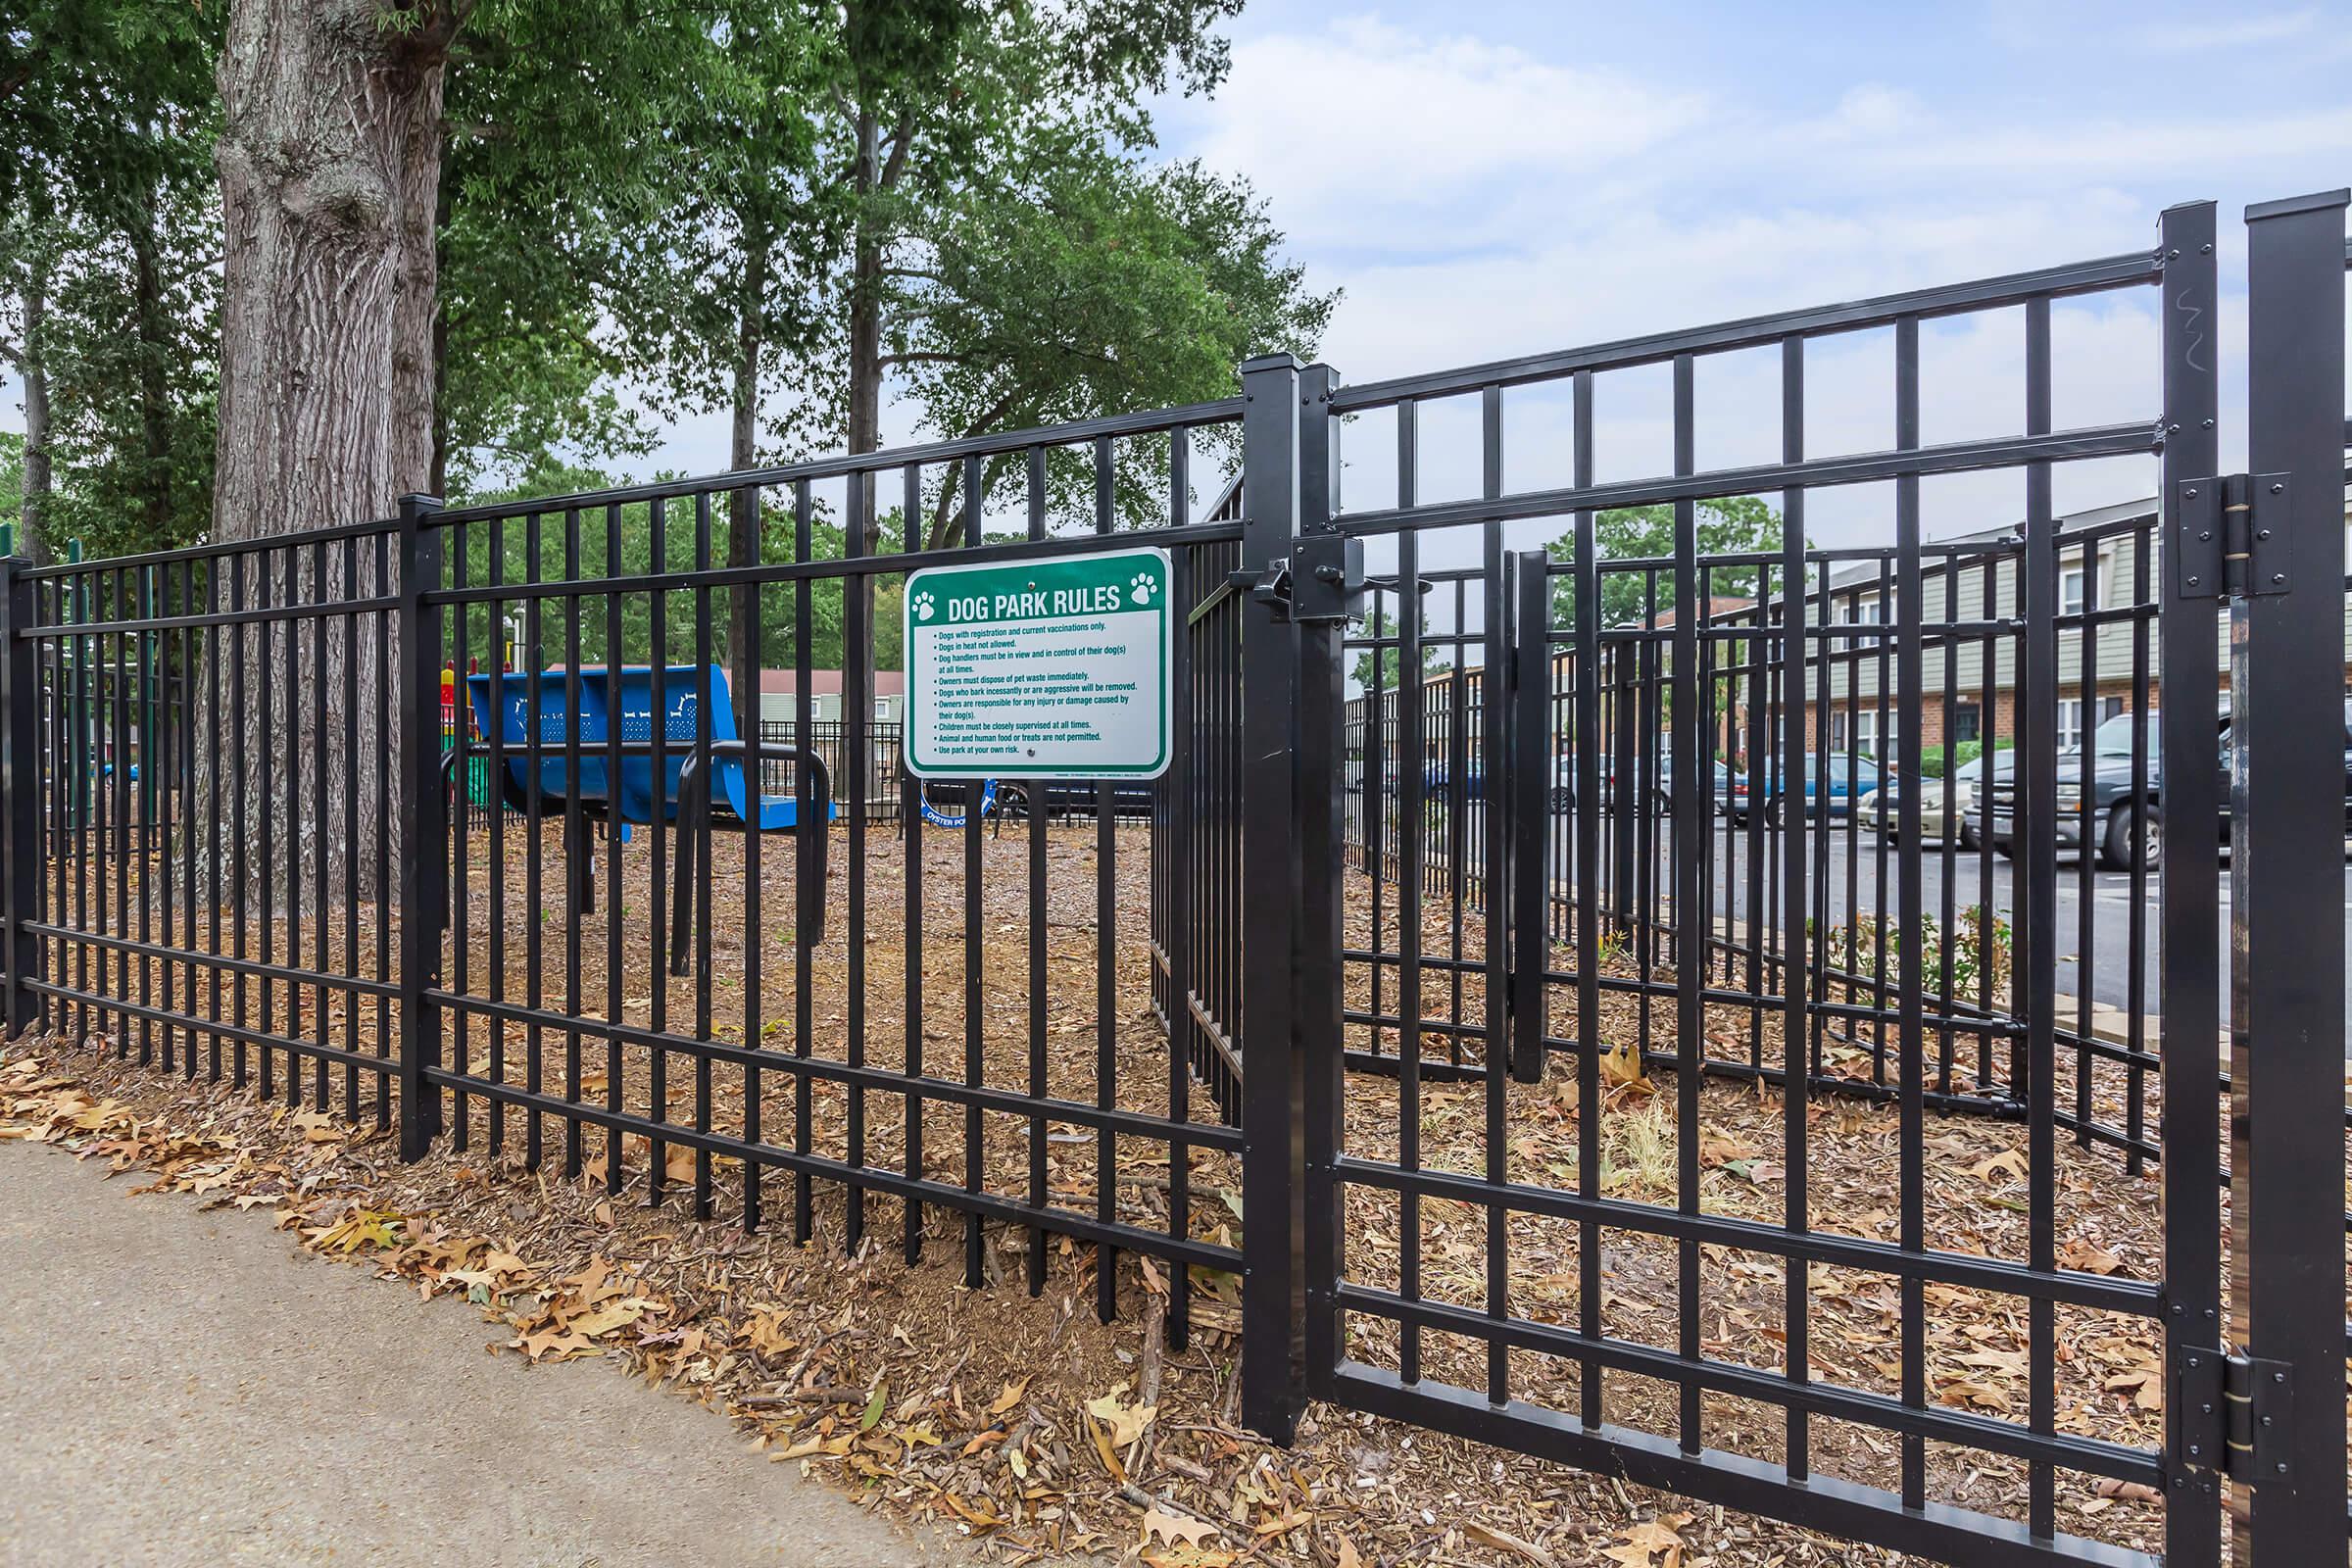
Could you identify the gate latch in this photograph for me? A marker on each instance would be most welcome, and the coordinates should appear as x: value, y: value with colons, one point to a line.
x: 2232, y: 1414
x: 1321, y: 580
x: 1270, y: 587
x: 2232, y: 537
x: 1328, y: 582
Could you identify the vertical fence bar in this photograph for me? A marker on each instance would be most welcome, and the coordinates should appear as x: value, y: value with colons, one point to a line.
x: 1413, y: 847
x: 2286, y: 903
x: 423, y: 825
x: 20, y: 804
x: 2188, y: 886
x: 1321, y: 921
x: 1529, y: 744
x: 1590, y: 671
x: 2036, y: 825
x: 1910, y: 683
x: 1690, y: 874
x: 1273, y: 1128
x: 1790, y: 757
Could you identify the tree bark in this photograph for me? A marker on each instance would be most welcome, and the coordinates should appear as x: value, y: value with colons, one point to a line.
x: 330, y: 157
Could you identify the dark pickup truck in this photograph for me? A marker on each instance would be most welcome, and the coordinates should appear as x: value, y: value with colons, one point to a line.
x: 2120, y: 817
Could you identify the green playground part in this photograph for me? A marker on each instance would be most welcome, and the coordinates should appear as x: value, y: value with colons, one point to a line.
x: 477, y: 774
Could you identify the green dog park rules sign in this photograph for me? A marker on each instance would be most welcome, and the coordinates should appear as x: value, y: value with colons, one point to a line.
x: 1048, y: 668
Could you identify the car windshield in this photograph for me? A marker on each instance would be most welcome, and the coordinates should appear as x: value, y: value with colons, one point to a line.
x: 2114, y: 738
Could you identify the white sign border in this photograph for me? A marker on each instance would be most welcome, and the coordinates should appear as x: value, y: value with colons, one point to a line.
x: 1167, y: 672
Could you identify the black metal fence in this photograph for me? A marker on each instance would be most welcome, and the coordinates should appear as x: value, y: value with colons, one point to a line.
x: 1972, y: 646
x: 698, y: 955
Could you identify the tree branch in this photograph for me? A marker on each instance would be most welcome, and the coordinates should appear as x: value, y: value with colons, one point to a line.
x: 902, y: 137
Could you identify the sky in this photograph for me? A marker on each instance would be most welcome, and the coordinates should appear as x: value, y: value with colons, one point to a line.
x: 1494, y: 179
x: 1491, y: 179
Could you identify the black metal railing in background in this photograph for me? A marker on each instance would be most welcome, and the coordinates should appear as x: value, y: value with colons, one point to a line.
x: 829, y: 739
x: 1844, y: 696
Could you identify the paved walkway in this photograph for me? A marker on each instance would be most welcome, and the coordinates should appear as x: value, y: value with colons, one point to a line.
x: 185, y: 1388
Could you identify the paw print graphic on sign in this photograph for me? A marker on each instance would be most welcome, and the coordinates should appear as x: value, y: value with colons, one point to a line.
x: 924, y: 607
x: 1145, y: 587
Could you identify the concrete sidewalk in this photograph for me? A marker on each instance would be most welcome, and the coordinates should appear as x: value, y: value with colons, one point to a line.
x: 180, y: 1387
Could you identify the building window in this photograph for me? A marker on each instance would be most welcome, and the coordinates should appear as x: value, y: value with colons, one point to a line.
x: 2069, y: 722
x: 1968, y: 723
x: 2070, y: 589
x: 1866, y: 732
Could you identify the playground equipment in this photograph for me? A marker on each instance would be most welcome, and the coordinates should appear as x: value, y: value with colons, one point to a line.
x: 939, y: 819
x: 620, y: 778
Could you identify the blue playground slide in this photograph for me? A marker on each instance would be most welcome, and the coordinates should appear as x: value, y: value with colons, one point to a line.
x: 682, y: 690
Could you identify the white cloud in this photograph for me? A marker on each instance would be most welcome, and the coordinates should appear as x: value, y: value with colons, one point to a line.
x: 1367, y: 134
x: 1529, y: 206
x: 2234, y: 33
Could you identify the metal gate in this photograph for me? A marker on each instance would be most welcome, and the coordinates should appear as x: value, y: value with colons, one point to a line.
x: 1462, y: 883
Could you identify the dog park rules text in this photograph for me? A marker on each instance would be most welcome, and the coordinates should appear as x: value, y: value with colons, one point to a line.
x: 1049, y: 668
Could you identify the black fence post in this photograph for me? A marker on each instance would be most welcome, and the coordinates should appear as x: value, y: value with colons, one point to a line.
x: 2287, y: 1015
x: 423, y: 825
x: 2188, y: 893
x: 1321, y: 921
x: 20, y: 795
x: 1273, y: 1058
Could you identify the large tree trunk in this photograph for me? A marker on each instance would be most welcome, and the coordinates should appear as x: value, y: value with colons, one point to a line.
x: 329, y: 157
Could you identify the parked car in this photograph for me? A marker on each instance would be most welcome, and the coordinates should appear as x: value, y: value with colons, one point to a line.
x: 1436, y: 782
x: 1473, y: 784
x: 1661, y: 795
x: 1833, y: 784
x: 2122, y: 820
x: 1073, y: 797
x: 1880, y: 810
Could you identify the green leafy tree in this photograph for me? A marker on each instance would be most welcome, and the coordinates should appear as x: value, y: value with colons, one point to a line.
x: 1390, y: 666
x: 1093, y: 283
x: 1726, y: 525
x: 108, y: 233
x: 12, y: 477
x: 934, y: 101
x: 487, y: 638
x: 569, y: 157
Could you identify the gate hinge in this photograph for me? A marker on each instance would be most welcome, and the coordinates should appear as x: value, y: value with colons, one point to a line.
x: 2232, y: 536
x: 2232, y: 1414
